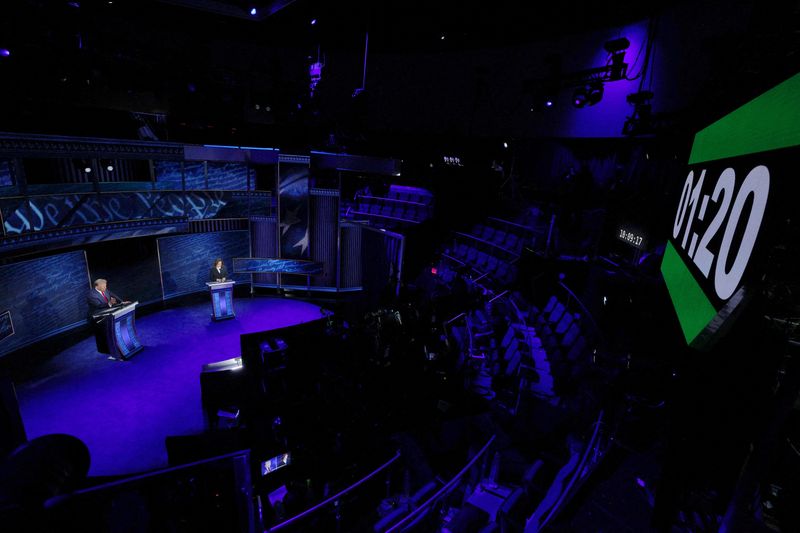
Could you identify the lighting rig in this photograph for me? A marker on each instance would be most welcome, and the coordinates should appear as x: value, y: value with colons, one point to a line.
x: 588, y: 84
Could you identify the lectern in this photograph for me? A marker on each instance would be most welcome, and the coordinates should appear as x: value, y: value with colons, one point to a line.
x: 115, y: 331
x: 221, y: 299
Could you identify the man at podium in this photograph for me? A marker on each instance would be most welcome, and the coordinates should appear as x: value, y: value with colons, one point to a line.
x: 218, y: 272
x: 100, y: 297
x: 112, y: 320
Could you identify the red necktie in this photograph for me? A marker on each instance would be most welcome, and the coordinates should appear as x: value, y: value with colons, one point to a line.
x: 104, y: 296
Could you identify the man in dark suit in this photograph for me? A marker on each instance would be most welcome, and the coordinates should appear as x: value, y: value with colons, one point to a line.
x: 100, y: 297
x: 218, y: 272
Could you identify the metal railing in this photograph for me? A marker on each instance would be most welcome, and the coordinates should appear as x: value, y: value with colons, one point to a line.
x: 310, y: 511
x: 430, y: 502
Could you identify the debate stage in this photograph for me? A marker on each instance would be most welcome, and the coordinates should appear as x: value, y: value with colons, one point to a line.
x: 124, y: 410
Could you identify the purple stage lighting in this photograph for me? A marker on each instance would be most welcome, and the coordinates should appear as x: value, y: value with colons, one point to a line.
x: 5, y: 52
x: 313, y: 22
x: 74, y: 4
x: 548, y: 103
x: 253, y: 11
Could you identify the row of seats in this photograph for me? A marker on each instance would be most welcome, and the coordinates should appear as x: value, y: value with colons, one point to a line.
x: 490, y: 250
x: 484, y: 262
x: 529, y: 351
x: 508, y: 342
x: 509, y: 240
x: 410, y: 194
x: 400, y: 211
x: 548, y: 348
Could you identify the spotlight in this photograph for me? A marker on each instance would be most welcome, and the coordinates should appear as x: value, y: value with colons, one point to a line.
x: 589, y: 94
x: 548, y: 103
x: 5, y: 52
x: 313, y: 22
x: 579, y: 98
x: 594, y: 92
x: 253, y: 11
x: 505, y: 144
x: 87, y: 170
x: 110, y: 168
x: 442, y: 37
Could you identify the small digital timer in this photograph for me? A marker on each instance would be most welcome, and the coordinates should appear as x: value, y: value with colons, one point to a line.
x: 632, y: 237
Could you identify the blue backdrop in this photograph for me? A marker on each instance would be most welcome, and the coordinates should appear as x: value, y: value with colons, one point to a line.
x: 6, y: 179
x: 294, y: 210
x: 45, y: 296
x: 186, y: 259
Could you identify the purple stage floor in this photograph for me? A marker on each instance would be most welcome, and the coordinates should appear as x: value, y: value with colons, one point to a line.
x: 124, y: 410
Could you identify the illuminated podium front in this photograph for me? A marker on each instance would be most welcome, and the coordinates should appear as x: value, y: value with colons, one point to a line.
x: 115, y: 331
x: 222, y: 299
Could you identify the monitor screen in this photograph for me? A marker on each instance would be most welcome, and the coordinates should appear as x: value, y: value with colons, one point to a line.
x: 279, y: 461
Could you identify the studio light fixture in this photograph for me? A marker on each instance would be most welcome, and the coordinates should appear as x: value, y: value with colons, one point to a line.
x: 617, y: 68
x: 594, y: 92
x: 589, y: 94
x: 579, y: 97
x: 588, y: 84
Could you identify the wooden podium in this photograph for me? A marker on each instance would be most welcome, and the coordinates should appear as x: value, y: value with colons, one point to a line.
x: 115, y: 331
x: 221, y: 299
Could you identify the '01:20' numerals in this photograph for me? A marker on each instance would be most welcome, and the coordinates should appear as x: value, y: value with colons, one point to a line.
x: 727, y: 275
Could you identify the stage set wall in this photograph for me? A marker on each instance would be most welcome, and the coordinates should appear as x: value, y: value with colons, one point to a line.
x: 129, y: 265
x: 44, y: 296
x: 186, y: 259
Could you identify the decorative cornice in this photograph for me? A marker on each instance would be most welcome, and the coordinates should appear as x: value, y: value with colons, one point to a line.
x: 287, y: 158
x: 29, y: 145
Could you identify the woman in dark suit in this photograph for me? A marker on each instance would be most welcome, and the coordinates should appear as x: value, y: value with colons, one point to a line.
x: 218, y: 272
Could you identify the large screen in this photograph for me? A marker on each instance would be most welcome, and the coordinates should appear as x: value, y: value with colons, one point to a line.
x: 186, y: 259
x: 737, y: 193
x: 43, y: 297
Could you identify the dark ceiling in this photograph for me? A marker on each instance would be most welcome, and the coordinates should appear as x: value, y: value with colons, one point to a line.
x: 203, y: 61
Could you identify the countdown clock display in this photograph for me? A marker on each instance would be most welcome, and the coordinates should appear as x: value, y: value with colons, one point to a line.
x: 738, y: 181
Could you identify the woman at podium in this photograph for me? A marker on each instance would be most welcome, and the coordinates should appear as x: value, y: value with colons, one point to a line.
x: 218, y: 272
